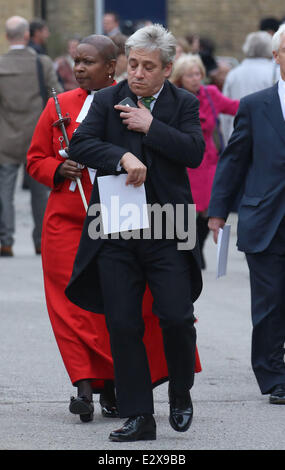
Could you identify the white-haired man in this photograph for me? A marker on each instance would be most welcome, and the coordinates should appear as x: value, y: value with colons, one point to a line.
x: 255, y: 159
x: 153, y: 146
x: 21, y: 103
x: 256, y: 72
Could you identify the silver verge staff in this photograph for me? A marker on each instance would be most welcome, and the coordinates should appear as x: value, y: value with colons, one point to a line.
x: 60, y: 123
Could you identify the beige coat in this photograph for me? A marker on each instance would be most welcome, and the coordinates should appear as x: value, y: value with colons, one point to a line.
x: 20, y: 100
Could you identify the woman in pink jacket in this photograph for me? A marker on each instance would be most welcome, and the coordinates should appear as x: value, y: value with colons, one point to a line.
x: 188, y: 73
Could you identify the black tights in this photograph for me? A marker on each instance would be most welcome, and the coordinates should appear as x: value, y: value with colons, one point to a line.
x: 84, y: 388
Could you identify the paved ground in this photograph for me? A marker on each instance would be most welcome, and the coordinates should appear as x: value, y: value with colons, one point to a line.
x: 230, y: 413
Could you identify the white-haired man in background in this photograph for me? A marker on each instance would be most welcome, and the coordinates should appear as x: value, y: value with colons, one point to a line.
x: 256, y: 72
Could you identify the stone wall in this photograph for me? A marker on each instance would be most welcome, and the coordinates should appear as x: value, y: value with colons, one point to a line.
x: 227, y: 22
x: 66, y: 18
x: 9, y: 8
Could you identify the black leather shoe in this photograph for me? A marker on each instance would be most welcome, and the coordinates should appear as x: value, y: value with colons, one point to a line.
x: 108, y: 406
x: 108, y: 400
x: 136, y: 428
x: 82, y: 406
x: 181, y: 411
x: 277, y: 396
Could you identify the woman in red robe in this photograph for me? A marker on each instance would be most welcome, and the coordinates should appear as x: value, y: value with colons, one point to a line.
x: 82, y: 336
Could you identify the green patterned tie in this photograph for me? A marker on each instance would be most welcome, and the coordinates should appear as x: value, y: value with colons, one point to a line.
x: 147, y: 100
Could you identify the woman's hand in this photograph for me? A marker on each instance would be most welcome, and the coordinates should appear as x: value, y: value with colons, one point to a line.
x: 70, y: 170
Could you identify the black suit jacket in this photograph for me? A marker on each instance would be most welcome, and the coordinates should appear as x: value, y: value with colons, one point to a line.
x: 254, y: 159
x: 173, y: 142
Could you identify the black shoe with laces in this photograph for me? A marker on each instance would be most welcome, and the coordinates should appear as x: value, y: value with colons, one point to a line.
x: 180, y: 411
x: 277, y: 395
x: 136, y: 428
x: 108, y: 400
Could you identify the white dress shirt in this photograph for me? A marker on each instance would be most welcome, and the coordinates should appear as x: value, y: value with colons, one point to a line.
x: 281, y: 92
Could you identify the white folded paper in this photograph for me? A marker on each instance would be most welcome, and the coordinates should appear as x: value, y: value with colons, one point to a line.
x: 122, y: 207
x: 222, y: 251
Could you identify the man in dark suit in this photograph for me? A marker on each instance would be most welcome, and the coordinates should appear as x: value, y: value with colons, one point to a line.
x: 39, y: 34
x: 153, y: 146
x: 255, y: 156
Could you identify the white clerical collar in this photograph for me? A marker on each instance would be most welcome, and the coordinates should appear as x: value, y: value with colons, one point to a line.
x: 86, y: 105
x: 17, y: 46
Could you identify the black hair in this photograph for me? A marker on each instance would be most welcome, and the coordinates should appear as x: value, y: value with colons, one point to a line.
x: 270, y: 23
x: 36, y: 25
x: 114, y: 14
x: 105, y: 46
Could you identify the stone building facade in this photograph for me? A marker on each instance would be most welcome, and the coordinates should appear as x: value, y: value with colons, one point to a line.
x: 225, y: 21
x: 9, y: 8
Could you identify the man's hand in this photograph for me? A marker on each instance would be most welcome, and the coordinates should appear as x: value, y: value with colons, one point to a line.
x: 136, y: 119
x: 135, y: 168
x: 214, y: 224
x: 69, y: 170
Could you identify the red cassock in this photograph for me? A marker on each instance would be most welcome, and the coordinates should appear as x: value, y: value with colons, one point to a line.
x: 82, y: 336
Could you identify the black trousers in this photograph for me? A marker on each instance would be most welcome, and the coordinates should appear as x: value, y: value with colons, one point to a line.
x: 267, y: 279
x: 124, y: 268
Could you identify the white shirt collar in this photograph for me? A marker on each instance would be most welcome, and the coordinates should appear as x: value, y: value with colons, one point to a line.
x: 17, y: 46
x: 156, y: 95
x: 281, y: 84
x: 281, y: 92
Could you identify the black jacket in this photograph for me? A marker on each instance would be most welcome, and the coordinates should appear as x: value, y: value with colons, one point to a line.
x: 174, y: 142
x: 255, y: 161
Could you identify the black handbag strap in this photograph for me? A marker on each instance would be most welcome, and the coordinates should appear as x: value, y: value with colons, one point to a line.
x: 221, y: 139
x: 40, y: 72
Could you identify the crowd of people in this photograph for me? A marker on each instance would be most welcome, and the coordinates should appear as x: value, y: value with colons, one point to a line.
x: 186, y: 99
x: 225, y: 74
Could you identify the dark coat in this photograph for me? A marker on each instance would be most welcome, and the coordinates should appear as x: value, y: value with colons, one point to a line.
x: 173, y: 142
x: 254, y: 159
